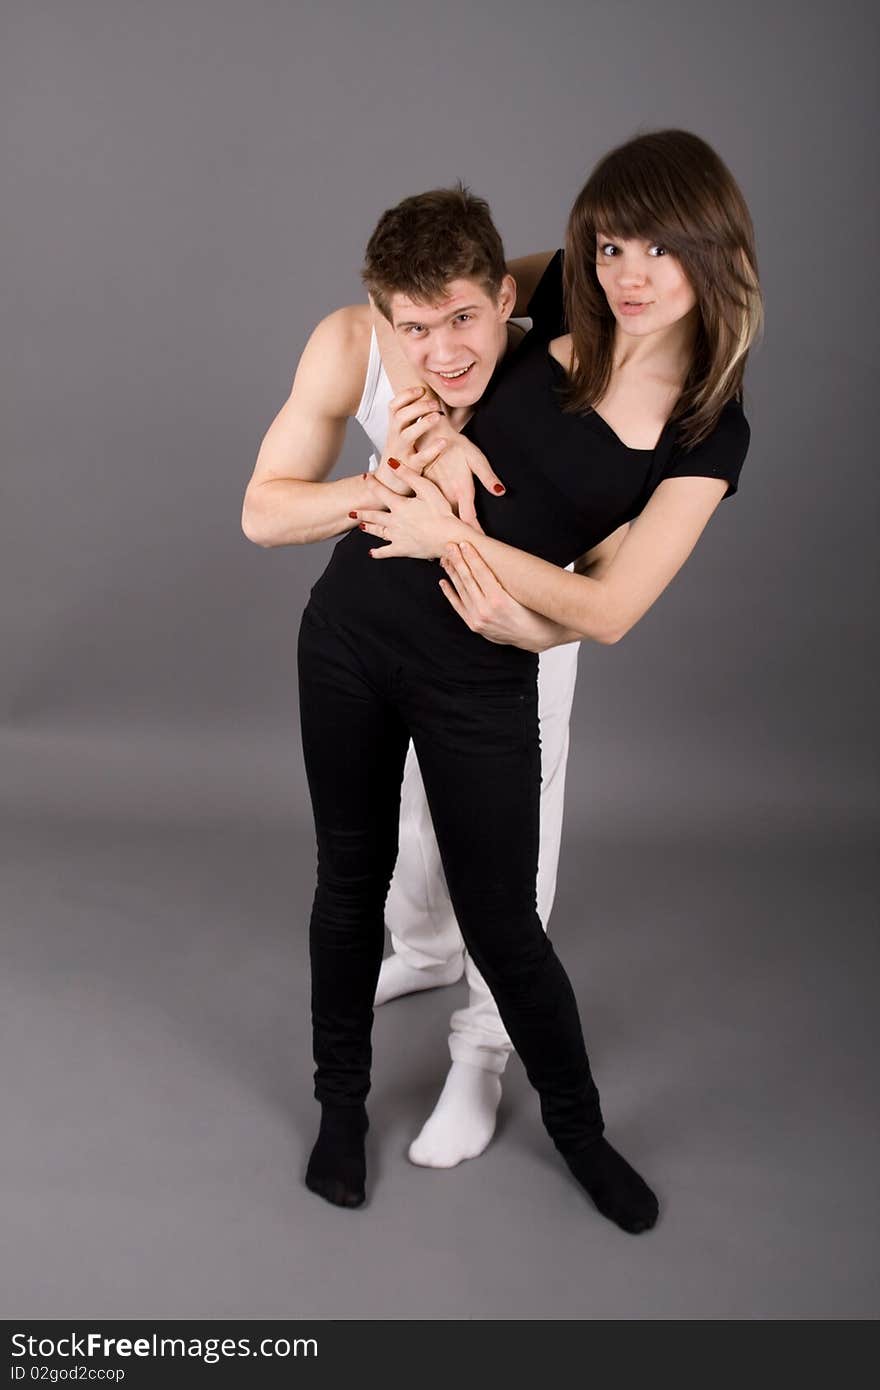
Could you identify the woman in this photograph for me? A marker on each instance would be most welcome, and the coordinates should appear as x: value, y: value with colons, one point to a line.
x: 633, y: 417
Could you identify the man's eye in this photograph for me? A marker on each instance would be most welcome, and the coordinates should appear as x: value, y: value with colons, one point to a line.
x: 463, y: 318
x: 415, y: 328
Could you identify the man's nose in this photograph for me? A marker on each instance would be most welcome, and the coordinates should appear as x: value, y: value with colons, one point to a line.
x: 446, y: 347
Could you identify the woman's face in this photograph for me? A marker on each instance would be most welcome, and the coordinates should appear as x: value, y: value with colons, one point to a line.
x: 646, y: 287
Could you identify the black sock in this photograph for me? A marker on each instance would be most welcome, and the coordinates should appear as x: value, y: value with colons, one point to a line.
x: 337, y: 1167
x: 615, y: 1187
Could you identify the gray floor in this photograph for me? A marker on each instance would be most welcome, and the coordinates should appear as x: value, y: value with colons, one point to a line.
x: 155, y: 1047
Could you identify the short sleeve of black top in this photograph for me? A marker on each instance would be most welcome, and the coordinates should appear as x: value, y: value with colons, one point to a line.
x: 720, y: 456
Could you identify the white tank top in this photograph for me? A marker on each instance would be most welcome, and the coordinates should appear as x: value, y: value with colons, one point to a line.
x: 372, y: 413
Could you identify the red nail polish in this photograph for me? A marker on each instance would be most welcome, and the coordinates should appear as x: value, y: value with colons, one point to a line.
x: 362, y: 525
x: 393, y: 463
x: 498, y: 487
x: 353, y: 515
x: 364, y: 476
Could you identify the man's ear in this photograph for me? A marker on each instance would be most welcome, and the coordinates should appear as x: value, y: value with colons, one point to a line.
x: 506, y: 297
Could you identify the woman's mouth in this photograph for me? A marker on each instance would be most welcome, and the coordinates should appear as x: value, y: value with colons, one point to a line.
x: 633, y: 306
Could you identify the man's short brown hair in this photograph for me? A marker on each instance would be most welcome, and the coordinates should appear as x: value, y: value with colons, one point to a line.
x: 426, y: 241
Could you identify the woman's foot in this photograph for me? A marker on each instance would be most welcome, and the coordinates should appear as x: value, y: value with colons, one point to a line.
x: 337, y: 1168
x: 463, y: 1120
x: 396, y: 977
x: 615, y: 1188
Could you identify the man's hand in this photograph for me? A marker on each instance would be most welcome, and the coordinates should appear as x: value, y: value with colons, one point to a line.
x: 487, y: 607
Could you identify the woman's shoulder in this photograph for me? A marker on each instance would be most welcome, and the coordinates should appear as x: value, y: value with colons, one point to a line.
x: 732, y: 426
x: 560, y: 350
x: 731, y: 429
x: 720, y: 454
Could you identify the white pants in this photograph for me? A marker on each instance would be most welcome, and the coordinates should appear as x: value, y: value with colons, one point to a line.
x: 418, y: 912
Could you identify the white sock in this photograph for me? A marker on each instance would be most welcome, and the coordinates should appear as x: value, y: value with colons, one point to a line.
x: 463, y: 1120
x: 396, y: 977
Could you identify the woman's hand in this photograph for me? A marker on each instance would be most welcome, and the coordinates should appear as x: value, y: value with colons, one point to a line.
x: 455, y: 469
x: 417, y: 526
x: 421, y: 437
x: 411, y: 439
x: 487, y: 607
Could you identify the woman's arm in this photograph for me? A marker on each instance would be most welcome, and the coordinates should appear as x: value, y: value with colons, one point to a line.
x: 656, y: 546
x: 488, y: 609
x: 604, y: 609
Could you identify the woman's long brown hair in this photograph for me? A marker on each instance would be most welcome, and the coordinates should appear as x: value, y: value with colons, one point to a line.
x: 671, y: 188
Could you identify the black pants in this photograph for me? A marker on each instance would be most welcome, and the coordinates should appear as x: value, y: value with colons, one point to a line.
x: 479, y: 754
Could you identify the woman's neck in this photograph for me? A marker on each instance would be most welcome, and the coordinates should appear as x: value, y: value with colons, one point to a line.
x: 667, y: 354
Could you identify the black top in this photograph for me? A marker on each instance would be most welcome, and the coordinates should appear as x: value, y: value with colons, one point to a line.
x: 570, y: 482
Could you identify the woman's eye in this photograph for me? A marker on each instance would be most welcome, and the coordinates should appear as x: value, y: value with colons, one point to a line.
x: 607, y: 249
x: 657, y: 250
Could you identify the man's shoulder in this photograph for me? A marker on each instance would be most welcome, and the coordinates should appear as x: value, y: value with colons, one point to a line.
x: 337, y: 356
x: 347, y: 329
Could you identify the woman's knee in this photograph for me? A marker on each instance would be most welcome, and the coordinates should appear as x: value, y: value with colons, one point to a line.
x: 514, y: 957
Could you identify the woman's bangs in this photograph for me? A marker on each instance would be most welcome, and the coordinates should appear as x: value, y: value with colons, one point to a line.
x: 640, y: 198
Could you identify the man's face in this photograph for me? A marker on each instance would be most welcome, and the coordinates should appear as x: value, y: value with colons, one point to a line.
x: 456, y: 343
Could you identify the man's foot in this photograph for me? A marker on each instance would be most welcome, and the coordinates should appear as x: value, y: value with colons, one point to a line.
x: 616, y: 1189
x: 396, y: 977
x: 337, y: 1168
x: 463, y: 1120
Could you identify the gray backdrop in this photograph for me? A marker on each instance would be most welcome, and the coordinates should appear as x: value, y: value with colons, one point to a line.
x: 187, y: 188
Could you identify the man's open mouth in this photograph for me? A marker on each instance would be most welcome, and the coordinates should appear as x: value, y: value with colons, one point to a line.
x: 458, y: 375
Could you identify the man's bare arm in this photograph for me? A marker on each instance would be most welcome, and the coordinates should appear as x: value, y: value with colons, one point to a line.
x: 527, y: 271
x: 288, y: 501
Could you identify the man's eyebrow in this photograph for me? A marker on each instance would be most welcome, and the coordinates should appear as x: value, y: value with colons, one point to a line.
x: 453, y: 313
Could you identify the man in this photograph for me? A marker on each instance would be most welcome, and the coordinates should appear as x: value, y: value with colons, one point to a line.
x: 450, y: 332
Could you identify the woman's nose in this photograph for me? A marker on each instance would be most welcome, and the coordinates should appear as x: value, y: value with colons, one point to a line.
x: 631, y: 273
